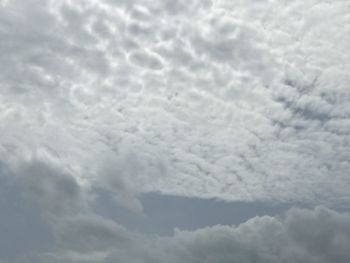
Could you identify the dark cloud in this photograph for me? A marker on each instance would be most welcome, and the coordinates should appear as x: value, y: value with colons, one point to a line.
x: 50, y: 189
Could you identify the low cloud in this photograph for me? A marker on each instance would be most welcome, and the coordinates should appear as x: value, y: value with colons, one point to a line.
x: 68, y: 228
x: 302, y: 235
x: 50, y: 189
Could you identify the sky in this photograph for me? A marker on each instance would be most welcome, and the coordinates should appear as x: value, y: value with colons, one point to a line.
x: 197, y: 131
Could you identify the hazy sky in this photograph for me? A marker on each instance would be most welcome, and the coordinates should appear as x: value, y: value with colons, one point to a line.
x: 196, y: 131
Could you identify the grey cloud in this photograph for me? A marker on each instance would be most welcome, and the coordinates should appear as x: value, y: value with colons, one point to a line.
x: 24, y: 230
x: 179, y: 7
x: 45, y: 212
x: 303, y: 235
x: 146, y: 59
x: 139, y: 29
x: 141, y: 13
x: 87, y: 233
x: 214, y: 103
x: 232, y: 100
x: 322, y: 232
x: 122, y: 172
x: 52, y: 190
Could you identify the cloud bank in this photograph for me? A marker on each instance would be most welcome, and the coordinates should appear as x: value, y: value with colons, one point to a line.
x: 72, y: 232
x: 232, y: 100
x: 55, y: 231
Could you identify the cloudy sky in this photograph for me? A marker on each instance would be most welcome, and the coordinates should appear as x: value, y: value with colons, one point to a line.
x: 166, y: 131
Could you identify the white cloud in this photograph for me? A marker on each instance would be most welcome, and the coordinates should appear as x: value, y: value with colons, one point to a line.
x: 234, y: 100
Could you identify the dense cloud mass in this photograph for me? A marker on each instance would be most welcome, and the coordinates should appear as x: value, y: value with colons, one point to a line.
x: 318, y: 235
x: 47, y: 236
x: 237, y: 100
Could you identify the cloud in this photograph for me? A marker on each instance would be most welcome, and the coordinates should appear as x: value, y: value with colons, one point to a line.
x: 50, y: 189
x: 121, y: 176
x: 144, y: 59
x: 38, y: 192
x: 319, y: 235
x: 23, y: 223
x: 44, y: 210
x: 89, y: 233
x: 232, y: 100
x: 193, y: 98
x: 302, y: 236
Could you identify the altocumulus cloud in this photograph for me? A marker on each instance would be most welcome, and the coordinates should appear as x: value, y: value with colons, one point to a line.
x: 233, y: 100
x: 218, y: 99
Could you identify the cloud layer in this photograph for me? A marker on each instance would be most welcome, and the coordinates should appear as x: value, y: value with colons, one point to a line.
x: 301, y: 235
x: 232, y: 100
x: 228, y: 99
x: 76, y: 234
x: 81, y: 235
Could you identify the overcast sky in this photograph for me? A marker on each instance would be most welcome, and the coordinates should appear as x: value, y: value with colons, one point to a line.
x: 196, y: 131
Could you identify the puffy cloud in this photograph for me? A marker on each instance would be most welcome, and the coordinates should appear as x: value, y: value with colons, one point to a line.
x: 318, y: 235
x: 302, y: 236
x: 44, y: 210
x: 233, y: 100
x: 236, y: 100
x: 146, y: 60
x: 39, y: 224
